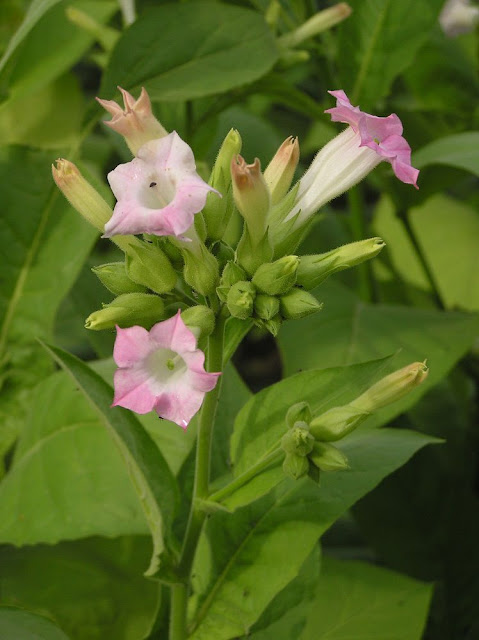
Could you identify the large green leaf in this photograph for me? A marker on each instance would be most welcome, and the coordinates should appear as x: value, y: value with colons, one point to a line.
x: 460, y: 150
x: 448, y: 233
x: 348, y: 331
x: 23, y: 625
x: 184, y: 51
x: 92, y: 588
x: 44, y: 243
x: 357, y: 600
x: 241, y: 558
x: 151, y: 477
x: 379, y: 41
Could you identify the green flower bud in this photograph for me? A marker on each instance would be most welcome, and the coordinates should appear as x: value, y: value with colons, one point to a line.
x: 279, y: 173
x: 298, y: 304
x: 200, y: 319
x: 273, y: 325
x: 114, y: 277
x: 295, y: 466
x: 266, y: 307
x: 299, y: 412
x: 232, y: 273
x: 313, y: 270
x: 251, y: 196
x: 328, y: 458
x: 217, y: 211
x: 127, y: 310
x: 201, y: 268
x: 149, y: 266
x: 392, y: 387
x: 240, y: 299
x: 277, y: 277
x: 337, y: 423
x: 298, y: 440
x: 251, y: 255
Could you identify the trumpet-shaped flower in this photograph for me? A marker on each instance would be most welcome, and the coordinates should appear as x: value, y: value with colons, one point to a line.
x: 351, y: 155
x: 158, y: 192
x: 161, y: 369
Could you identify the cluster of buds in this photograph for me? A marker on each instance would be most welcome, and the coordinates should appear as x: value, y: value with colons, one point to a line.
x: 307, y: 443
x: 195, y: 250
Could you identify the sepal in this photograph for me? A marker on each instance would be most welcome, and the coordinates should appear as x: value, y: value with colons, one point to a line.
x: 113, y: 276
x: 298, y: 304
x: 328, y: 458
x: 147, y: 265
x: 277, y: 277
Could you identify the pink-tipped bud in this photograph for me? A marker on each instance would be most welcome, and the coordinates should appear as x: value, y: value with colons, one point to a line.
x: 251, y: 195
x: 80, y: 193
x: 280, y: 172
x: 135, y: 122
x: 392, y: 387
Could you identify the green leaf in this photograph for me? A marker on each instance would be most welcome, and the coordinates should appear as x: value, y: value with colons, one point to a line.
x: 151, y: 477
x: 357, y: 600
x: 92, y: 588
x: 448, y: 234
x: 35, y: 11
x: 42, y: 254
x: 349, y: 331
x: 379, y: 41
x: 460, y: 150
x: 204, y: 48
x: 23, y: 625
x: 241, y: 557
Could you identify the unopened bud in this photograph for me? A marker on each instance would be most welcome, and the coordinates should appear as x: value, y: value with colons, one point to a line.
x: 217, y: 211
x: 313, y: 270
x: 240, y: 299
x: 232, y: 273
x: 277, y: 277
x: 295, y: 466
x: 135, y: 122
x: 279, y: 173
x: 200, y: 319
x: 337, y: 423
x: 298, y: 304
x: 251, y: 196
x: 299, y: 412
x: 273, y: 325
x: 392, y: 387
x: 298, y: 440
x: 319, y: 22
x: 328, y: 458
x: 201, y: 269
x: 114, y: 277
x: 149, y: 266
x: 266, y: 307
x: 127, y: 310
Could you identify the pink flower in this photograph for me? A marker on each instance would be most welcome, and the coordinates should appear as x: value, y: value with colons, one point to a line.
x: 158, y: 192
x: 161, y: 369
x: 382, y: 135
x: 349, y: 157
x: 135, y: 122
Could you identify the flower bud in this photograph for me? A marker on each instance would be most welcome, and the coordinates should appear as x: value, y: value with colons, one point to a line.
x: 392, y: 387
x: 217, y: 211
x: 298, y: 304
x: 299, y: 412
x: 251, y: 196
x: 232, y: 273
x: 328, y: 458
x: 319, y: 22
x: 295, y: 466
x: 201, y: 269
x: 298, y: 440
x: 127, y: 310
x: 273, y: 325
x: 114, y: 277
x: 337, y: 423
x: 252, y: 255
x: 279, y: 173
x: 240, y: 299
x: 149, y: 266
x: 313, y: 270
x: 277, y: 277
x: 200, y: 319
x: 135, y: 122
x: 266, y: 307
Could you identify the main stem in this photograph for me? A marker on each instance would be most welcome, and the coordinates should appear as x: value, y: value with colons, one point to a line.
x: 179, y: 592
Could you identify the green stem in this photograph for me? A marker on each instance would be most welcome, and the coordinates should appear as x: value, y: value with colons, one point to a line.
x: 358, y: 231
x: 245, y: 477
x: 179, y: 593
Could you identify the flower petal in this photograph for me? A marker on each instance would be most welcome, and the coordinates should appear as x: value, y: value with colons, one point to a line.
x: 131, y: 344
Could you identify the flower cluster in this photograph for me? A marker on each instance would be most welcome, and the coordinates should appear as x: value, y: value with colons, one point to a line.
x: 198, y: 253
